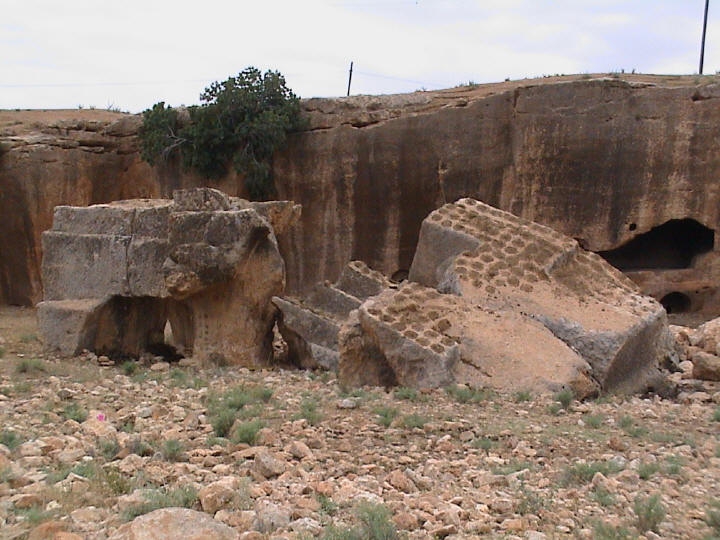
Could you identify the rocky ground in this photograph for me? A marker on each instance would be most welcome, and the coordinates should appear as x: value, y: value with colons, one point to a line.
x: 289, y: 454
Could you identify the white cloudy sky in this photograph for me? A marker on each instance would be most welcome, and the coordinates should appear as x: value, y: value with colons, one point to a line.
x: 129, y: 54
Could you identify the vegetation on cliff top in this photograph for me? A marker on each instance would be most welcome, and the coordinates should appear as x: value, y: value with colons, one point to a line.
x: 242, y: 121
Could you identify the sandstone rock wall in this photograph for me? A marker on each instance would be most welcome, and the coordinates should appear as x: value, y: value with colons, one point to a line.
x: 602, y: 160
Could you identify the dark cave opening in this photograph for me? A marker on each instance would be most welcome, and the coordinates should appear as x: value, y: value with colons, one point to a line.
x: 672, y: 245
x: 676, y: 302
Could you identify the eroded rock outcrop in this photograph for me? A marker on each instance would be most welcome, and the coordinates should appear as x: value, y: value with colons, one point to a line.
x: 497, y: 301
x: 209, y: 264
x: 605, y: 160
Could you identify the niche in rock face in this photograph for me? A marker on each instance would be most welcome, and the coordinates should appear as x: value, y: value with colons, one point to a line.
x: 672, y: 245
x: 127, y: 326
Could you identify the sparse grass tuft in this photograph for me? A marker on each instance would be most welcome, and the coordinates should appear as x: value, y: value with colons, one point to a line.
x: 129, y: 368
x: 627, y: 424
x: 222, y: 421
x: 646, y: 470
x: 375, y: 522
x: 109, y: 448
x: 565, y: 398
x: 247, y: 432
x: 386, y: 415
x: 28, y: 338
x: 327, y: 505
x: 406, y: 393
x: 712, y: 516
x: 582, y: 473
x: 184, y: 497
x: 172, y: 450
x: 466, y: 394
x: 35, y: 515
x: 716, y: 414
x: 10, y: 439
x: 650, y: 513
x: 226, y: 408
x: 30, y: 365
x: 594, y: 421
x: 483, y: 443
x: 412, y: 421
x: 511, y: 467
x: 606, y: 531
x: 603, y: 497
x: 74, y: 411
x: 522, y: 396
x: 309, y: 410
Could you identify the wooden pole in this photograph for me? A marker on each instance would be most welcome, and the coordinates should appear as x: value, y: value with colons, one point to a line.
x: 350, y: 78
x: 702, y: 45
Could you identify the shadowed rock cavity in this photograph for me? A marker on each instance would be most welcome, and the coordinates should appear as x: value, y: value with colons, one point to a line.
x: 205, y: 264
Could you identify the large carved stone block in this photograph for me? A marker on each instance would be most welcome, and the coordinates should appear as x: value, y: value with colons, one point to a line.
x: 504, y: 302
x: 206, y: 263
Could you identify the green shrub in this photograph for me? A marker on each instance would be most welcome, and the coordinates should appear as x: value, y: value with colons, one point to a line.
x: 650, y: 513
x: 226, y: 408
x: 715, y: 416
x: 522, y: 396
x: 242, y: 122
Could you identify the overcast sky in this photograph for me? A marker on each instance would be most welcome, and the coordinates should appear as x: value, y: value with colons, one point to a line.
x: 130, y: 54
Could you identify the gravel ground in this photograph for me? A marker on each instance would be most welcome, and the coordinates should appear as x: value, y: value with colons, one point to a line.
x: 289, y: 454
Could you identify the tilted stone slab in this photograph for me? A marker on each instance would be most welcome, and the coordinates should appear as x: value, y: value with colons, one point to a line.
x: 417, y: 337
x: 508, y: 264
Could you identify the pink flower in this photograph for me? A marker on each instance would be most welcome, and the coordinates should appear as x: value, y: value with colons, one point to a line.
x: 101, y: 417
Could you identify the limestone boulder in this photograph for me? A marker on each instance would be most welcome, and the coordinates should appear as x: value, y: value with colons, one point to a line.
x: 174, y: 523
x: 495, y: 300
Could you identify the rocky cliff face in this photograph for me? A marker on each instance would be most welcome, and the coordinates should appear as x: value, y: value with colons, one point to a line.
x: 604, y: 160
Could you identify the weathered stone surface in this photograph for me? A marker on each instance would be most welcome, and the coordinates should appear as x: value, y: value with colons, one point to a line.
x: 310, y: 326
x: 705, y: 366
x: 523, y: 307
x: 206, y: 263
x: 174, y: 523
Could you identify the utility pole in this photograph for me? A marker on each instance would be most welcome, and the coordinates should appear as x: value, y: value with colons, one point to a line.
x: 702, y: 45
x: 350, y: 78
